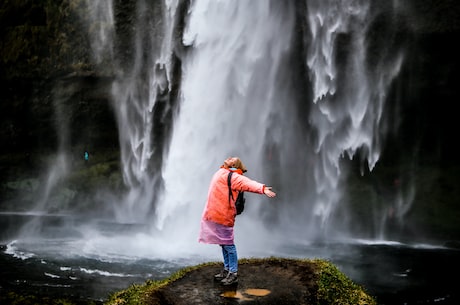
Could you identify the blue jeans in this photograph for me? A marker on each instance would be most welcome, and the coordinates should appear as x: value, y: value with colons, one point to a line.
x: 230, y: 258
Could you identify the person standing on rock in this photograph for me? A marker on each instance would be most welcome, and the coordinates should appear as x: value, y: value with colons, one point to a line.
x: 219, y: 214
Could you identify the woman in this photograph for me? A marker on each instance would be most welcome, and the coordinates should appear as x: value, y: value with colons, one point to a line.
x: 219, y: 213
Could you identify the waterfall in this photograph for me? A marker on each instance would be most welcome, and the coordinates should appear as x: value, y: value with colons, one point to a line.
x: 290, y: 87
x: 242, y: 92
x: 231, y: 90
x: 240, y: 97
x: 347, y: 104
x: 137, y: 90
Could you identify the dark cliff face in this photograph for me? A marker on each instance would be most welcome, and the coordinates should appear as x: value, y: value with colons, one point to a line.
x: 43, y: 44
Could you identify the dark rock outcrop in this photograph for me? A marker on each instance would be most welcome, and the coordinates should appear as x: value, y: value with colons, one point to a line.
x: 261, y: 281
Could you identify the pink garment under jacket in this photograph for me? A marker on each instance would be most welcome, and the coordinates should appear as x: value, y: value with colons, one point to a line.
x: 214, y: 233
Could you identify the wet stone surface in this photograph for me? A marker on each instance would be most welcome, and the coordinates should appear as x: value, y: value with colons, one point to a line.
x: 271, y: 282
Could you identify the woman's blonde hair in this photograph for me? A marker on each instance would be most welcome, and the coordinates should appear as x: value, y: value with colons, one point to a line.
x: 238, y: 164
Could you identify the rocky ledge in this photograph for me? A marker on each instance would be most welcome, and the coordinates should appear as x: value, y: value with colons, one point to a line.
x: 260, y: 281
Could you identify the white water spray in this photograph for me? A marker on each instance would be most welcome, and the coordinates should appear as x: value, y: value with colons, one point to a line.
x: 347, y: 119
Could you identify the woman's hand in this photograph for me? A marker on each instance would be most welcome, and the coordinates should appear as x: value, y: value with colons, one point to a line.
x: 268, y: 191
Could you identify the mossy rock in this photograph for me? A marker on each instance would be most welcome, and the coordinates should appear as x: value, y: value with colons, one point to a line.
x: 261, y: 281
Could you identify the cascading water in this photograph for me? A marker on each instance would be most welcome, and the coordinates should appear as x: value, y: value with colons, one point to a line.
x: 239, y: 97
x: 346, y: 114
x: 242, y: 92
x: 232, y: 101
x: 136, y: 93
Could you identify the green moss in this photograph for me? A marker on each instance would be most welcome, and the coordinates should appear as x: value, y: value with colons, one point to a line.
x: 334, y: 288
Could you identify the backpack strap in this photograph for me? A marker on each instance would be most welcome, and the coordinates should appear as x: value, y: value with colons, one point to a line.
x: 229, y: 182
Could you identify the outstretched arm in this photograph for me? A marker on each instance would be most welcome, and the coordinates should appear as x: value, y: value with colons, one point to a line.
x: 244, y: 184
x: 268, y: 191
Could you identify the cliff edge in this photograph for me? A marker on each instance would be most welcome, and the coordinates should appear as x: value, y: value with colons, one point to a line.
x: 261, y: 281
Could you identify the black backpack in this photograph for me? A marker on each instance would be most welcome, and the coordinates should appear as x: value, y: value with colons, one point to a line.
x: 240, y: 200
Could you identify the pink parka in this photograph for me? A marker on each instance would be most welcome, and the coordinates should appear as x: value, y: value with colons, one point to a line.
x: 218, y: 208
